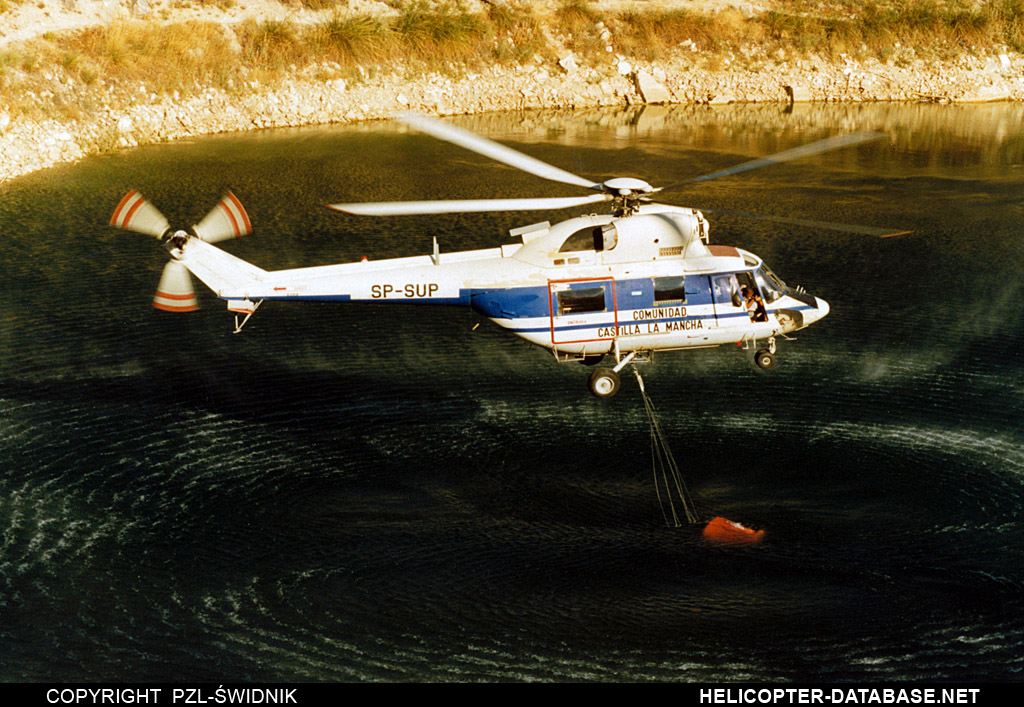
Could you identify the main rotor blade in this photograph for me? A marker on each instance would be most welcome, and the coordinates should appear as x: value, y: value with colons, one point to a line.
x: 408, y: 208
x: 489, y: 148
x: 860, y: 230
x: 832, y: 143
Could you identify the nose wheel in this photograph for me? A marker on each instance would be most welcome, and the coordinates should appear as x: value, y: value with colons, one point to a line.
x: 765, y: 358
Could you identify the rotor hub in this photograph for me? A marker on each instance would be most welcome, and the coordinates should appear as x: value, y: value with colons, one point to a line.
x: 627, y: 186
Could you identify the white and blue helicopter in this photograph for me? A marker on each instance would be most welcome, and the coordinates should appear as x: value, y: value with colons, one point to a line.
x: 641, y: 279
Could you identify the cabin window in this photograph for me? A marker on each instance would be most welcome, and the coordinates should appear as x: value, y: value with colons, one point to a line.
x: 727, y: 290
x: 669, y: 290
x: 581, y: 301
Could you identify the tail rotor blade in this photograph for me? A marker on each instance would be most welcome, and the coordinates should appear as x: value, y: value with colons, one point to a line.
x: 136, y: 213
x: 227, y: 220
x: 175, y: 292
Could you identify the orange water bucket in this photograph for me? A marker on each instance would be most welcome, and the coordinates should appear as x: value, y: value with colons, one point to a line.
x: 723, y: 530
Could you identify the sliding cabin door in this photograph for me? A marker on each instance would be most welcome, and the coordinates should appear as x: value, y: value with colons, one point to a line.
x: 582, y: 310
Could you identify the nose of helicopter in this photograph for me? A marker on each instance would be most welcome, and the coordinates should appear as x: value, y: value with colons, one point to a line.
x: 823, y: 308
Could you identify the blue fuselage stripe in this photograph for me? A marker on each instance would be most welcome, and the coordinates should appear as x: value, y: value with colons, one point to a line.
x: 532, y: 302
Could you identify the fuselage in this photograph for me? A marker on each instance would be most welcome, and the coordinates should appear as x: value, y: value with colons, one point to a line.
x: 584, y: 287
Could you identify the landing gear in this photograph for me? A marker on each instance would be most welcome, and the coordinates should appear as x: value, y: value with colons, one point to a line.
x: 765, y: 358
x: 604, y: 383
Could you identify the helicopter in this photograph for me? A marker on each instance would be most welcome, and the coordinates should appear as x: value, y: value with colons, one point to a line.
x: 625, y: 284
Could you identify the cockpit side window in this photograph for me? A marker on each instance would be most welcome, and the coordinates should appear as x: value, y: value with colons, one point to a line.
x: 752, y: 300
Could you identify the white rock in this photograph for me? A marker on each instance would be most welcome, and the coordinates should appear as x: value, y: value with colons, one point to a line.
x: 650, y: 89
x: 984, y: 94
x: 625, y: 68
x: 124, y: 124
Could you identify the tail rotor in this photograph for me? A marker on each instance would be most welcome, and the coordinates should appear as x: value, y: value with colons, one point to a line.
x: 226, y: 220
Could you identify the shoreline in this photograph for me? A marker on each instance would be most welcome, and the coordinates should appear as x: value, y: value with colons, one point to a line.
x: 127, y: 114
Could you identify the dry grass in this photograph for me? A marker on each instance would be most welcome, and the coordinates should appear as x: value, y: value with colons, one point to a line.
x: 933, y: 28
x: 517, y: 30
x: 578, y: 22
x: 167, y: 58
x: 444, y: 34
x: 270, y: 45
x: 652, y: 34
x: 353, y: 39
x: 187, y: 57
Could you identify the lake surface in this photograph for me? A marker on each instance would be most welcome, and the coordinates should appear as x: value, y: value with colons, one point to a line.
x: 385, y: 493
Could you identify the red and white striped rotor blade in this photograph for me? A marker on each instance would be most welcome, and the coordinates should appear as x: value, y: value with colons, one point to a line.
x: 175, y: 292
x: 227, y: 220
x: 136, y: 213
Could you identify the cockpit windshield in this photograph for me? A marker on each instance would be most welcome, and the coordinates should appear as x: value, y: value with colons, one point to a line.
x: 771, y: 286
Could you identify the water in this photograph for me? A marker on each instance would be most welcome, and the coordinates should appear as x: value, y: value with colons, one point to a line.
x: 383, y: 493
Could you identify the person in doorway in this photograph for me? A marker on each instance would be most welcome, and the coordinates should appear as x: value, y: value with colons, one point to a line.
x: 754, y: 305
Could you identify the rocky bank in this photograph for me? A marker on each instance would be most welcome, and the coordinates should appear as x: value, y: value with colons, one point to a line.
x: 128, y: 115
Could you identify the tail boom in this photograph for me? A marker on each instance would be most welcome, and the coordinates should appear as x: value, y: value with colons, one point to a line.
x: 228, y: 276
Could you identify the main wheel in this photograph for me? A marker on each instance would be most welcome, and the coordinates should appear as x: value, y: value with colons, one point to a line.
x: 764, y: 359
x: 604, y: 383
x: 592, y: 360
